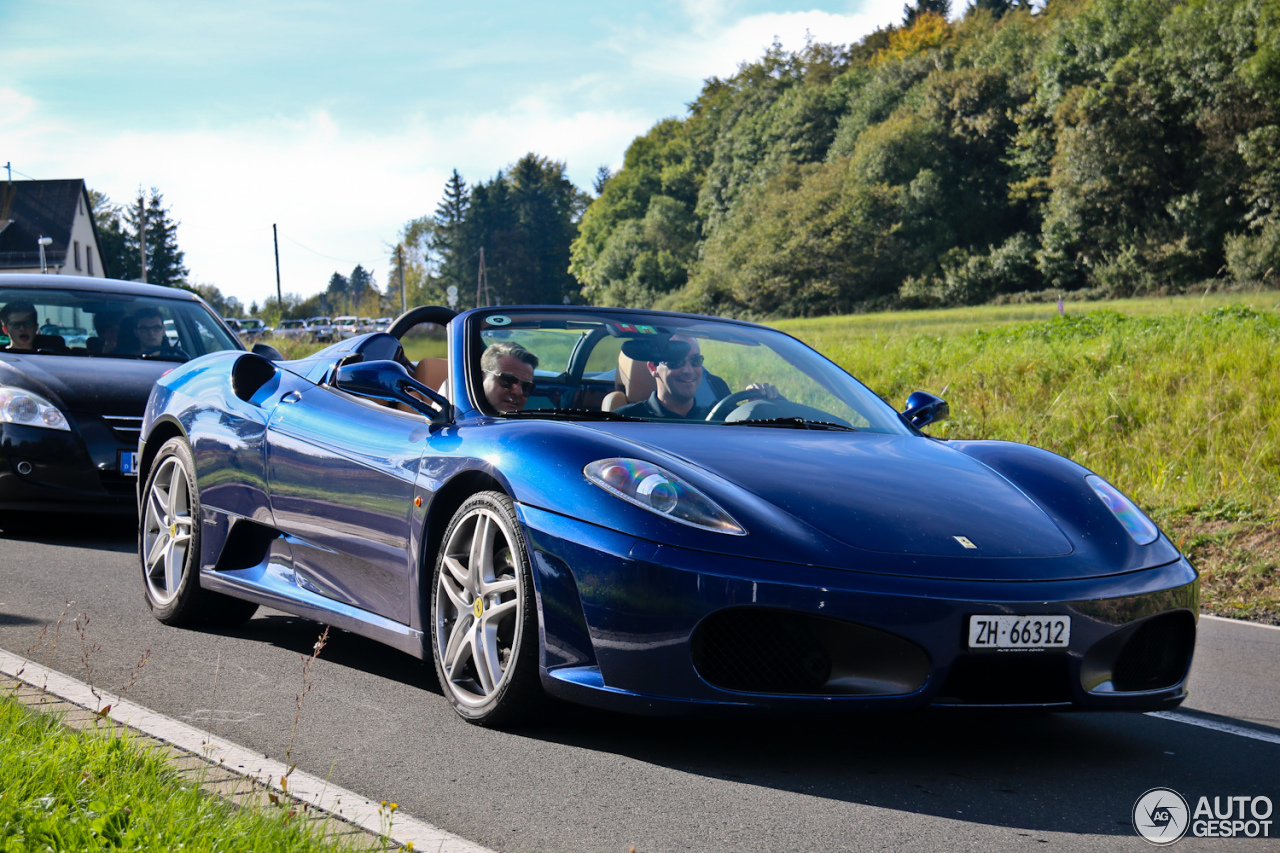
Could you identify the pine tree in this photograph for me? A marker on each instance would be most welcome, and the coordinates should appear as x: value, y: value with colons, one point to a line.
x: 118, y: 230
x: 164, y: 259
x: 447, y: 239
x: 921, y: 7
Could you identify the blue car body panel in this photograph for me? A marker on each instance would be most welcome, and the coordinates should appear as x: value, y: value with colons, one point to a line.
x: 323, y: 504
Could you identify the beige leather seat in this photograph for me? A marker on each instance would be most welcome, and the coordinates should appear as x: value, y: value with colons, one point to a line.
x: 432, y: 372
x: 634, y: 383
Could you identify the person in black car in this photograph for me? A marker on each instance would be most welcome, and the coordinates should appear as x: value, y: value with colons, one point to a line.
x: 18, y: 320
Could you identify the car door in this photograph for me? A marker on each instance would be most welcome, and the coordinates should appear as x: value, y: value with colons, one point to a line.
x: 341, y: 475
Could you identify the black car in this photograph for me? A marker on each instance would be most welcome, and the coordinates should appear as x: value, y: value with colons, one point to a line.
x: 71, y: 406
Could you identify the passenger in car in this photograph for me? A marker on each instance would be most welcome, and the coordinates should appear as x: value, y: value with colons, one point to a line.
x: 18, y: 319
x: 508, y: 375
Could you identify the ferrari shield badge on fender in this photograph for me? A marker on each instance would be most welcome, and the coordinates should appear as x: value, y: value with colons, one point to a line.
x: 964, y: 540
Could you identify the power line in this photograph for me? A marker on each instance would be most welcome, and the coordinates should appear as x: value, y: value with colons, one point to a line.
x: 321, y: 254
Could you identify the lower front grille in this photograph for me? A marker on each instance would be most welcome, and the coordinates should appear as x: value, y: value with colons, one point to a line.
x: 762, y: 650
x: 1007, y: 678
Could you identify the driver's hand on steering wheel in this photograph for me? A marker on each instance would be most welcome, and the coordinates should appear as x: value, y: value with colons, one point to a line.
x: 770, y: 391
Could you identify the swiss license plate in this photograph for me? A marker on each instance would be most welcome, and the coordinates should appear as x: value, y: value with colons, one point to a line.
x: 129, y: 463
x: 1019, y: 632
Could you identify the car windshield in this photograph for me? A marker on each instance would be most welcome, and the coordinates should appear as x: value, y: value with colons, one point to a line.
x: 72, y: 322
x: 619, y: 366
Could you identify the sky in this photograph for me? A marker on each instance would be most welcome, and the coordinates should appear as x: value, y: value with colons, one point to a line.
x: 339, y: 122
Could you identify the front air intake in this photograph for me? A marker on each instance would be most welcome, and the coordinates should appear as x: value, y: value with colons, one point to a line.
x: 1157, y: 655
x: 762, y: 650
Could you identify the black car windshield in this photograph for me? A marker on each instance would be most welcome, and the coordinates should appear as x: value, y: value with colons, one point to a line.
x: 665, y: 368
x: 74, y: 322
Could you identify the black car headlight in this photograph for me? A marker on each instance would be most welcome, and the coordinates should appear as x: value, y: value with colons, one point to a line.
x: 19, y: 406
x: 1141, y: 528
x: 658, y: 490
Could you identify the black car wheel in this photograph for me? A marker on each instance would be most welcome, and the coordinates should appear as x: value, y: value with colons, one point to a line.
x: 169, y: 546
x: 484, y: 626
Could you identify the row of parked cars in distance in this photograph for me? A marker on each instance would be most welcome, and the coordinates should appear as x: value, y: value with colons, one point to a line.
x: 321, y: 330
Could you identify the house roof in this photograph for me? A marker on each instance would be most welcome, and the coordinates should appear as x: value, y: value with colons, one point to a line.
x: 36, y: 209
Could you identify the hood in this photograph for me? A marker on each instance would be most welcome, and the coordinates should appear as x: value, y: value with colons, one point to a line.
x: 109, y: 386
x: 893, y: 494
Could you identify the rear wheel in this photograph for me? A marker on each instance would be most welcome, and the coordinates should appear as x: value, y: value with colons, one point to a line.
x: 484, y: 627
x: 169, y: 546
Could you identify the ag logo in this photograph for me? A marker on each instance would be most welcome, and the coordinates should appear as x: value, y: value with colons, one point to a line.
x: 1160, y: 816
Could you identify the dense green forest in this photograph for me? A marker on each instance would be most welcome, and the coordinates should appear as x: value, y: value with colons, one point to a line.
x: 1109, y: 147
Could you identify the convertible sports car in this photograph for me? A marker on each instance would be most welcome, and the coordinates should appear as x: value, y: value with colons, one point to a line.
x: 790, y: 543
x: 73, y: 387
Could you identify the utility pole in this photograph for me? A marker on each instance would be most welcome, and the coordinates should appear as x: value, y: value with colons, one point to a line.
x: 142, y: 235
x: 275, y: 238
x: 404, y: 300
x: 482, y: 282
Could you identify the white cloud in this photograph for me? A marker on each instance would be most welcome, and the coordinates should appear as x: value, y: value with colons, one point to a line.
x: 338, y: 195
x: 711, y: 49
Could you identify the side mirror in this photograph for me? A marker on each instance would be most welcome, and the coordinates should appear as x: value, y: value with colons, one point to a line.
x: 388, y: 380
x: 923, y: 409
x: 267, y: 351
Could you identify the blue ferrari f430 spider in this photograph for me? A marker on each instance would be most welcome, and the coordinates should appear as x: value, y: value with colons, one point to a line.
x: 651, y: 512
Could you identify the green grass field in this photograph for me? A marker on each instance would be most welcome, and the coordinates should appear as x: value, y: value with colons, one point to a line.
x: 1176, y: 401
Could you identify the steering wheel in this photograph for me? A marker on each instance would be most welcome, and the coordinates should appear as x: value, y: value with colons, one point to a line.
x: 166, y: 351
x: 438, y: 314
x: 725, y: 405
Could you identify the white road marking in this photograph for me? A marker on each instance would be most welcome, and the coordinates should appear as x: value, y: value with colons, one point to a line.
x: 327, y: 797
x: 1239, y: 622
x: 1216, y: 725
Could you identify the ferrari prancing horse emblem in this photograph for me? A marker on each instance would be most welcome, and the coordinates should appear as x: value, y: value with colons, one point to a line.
x: 964, y: 540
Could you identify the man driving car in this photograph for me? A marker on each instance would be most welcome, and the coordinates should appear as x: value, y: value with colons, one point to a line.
x: 676, y: 367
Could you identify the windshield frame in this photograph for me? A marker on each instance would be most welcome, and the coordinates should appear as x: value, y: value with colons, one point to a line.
x: 196, y: 327
x: 808, y: 362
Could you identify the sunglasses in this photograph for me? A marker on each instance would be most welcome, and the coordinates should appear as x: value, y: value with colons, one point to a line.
x: 21, y: 324
x: 507, y: 381
x: 693, y: 360
x: 159, y: 328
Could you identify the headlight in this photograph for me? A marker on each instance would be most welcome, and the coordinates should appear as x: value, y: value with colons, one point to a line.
x: 18, y: 406
x: 658, y: 490
x: 1140, y: 527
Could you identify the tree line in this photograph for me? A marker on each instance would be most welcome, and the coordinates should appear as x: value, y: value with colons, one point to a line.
x: 1096, y: 147
x: 1113, y: 146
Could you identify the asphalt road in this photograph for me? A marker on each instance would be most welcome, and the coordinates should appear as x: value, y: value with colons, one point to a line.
x: 374, y: 721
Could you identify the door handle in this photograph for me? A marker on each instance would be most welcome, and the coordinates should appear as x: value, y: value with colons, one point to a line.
x: 291, y: 397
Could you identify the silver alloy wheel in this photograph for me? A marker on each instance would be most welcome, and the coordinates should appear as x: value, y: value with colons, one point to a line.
x: 478, y: 607
x: 166, y: 531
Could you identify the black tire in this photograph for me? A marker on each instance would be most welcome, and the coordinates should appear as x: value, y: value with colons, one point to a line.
x: 169, y: 546
x: 497, y: 685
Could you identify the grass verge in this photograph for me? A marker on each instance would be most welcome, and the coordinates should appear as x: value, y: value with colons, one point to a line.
x: 95, y: 789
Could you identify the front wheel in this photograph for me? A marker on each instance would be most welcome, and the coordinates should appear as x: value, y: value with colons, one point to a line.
x: 484, y: 627
x: 169, y: 546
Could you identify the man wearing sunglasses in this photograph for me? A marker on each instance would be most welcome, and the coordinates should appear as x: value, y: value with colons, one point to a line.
x: 677, y: 371
x: 508, y: 375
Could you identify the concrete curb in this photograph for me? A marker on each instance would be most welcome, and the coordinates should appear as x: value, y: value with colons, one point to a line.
x: 234, y: 764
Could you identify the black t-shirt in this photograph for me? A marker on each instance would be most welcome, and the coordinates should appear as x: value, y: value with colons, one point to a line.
x: 651, y: 408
